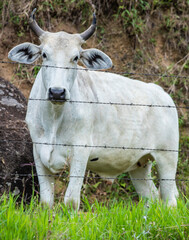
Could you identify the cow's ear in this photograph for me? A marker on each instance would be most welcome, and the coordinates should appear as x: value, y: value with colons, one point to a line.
x: 95, y: 59
x: 25, y: 53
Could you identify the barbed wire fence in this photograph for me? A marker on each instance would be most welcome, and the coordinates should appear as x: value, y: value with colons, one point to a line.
x: 93, y: 70
x: 124, y: 148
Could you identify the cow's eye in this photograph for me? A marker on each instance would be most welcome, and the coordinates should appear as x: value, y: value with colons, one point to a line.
x: 44, y: 55
x: 76, y: 59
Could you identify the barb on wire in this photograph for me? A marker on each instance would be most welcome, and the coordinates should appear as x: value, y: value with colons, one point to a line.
x: 106, y: 71
x: 93, y: 146
x: 112, y: 103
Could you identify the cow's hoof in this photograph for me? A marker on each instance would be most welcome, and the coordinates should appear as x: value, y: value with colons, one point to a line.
x: 72, y: 203
x: 172, y: 203
x: 46, y: 204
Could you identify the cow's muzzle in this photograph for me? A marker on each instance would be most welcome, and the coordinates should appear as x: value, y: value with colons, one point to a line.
x: 57, y: 95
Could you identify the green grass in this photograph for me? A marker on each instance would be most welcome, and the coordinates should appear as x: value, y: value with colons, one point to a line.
x: 118, y: 220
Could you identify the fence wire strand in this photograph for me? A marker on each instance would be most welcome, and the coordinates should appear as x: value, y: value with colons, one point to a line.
x: 112, y: 103
x: 17, y: 175
x: 108, y: 103
x: 93, y: 70
x: 92, y: 146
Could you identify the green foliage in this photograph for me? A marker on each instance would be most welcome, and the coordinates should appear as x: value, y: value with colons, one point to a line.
x: 183, y: 164
x: 131, y: 15
x: 175, y: 23
x: 35, y: 71
x: 14, y: 19
x: 118, y: 220
x: 162, y: 3
x: 67, y: 9
x: 1, y: 7
x: 181, y: 121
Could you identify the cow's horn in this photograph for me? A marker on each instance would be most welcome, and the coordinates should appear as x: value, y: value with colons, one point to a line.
x: 89, y: 32
x: 34, y: 26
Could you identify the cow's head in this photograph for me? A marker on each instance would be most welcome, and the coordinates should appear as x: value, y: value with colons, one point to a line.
x: 62, y: 51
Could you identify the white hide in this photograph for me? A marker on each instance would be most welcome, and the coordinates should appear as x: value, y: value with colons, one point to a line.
x: 99, y: 124
x: 111, y: 125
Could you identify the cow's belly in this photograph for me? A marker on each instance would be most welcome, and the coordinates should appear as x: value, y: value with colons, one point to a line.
x: 111, y: 163
x: 106, y: 163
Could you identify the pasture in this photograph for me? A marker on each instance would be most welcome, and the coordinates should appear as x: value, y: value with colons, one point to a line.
x: 115, y: 220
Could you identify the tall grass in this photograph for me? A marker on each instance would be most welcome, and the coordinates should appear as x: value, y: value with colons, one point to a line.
x: 118, y: 220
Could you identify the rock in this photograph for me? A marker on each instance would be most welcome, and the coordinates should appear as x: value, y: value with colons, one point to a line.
x: 16, y: 155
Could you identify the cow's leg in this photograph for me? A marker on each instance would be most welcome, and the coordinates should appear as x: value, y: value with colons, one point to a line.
x: 167, y: 165
x: 145, y: 188
x: 46, y: 181
x: 77, y: 173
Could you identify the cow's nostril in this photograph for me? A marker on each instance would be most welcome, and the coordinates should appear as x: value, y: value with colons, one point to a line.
x: 50, y: 91
x: 63, y: 93
x: 57, y: 94
x: 50, y: 94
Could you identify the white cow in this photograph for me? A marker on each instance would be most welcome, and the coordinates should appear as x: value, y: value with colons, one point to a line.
x: 59, y: 121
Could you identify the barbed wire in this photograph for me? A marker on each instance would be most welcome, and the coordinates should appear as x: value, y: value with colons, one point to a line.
x: 112, y: 103
x: 107, y: 103
x: 30, y: 175
x: 93, y: 146
x: 93, y: 70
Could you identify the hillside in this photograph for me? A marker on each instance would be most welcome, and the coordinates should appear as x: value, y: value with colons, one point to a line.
x: 149, y: 39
